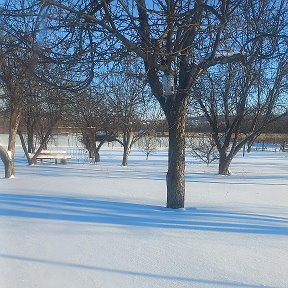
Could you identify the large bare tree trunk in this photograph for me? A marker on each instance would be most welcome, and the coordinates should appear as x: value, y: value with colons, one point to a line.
x: 224, y: 163
x: 125, y: 156
x: 175, y: 178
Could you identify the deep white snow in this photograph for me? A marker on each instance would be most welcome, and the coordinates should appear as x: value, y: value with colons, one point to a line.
x: 86, y: 225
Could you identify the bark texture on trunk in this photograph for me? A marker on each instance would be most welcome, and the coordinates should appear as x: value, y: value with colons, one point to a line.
x: 224, y: 164
x: 125, y: 155
x: 8, y: 157
x: 97, y: 151
x: 127, y: 145
x: 13, y: 128
x: 175, y: 178
x: 9, y: 169
x: 7, y: 161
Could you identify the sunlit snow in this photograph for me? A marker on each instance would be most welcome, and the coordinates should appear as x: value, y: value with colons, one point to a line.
x: 103, y: 225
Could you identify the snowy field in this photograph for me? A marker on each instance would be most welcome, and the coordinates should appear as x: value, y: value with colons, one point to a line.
x: 86, y: 225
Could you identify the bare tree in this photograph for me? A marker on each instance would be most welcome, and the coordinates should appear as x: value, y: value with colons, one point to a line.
x: 91, y: 115
x: 239, y: 102
x: 40, y: 118
x: 13, y: 73
x: 128, y: 106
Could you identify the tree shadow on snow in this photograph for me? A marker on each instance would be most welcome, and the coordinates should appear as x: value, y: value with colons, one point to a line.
x: 139, y: 215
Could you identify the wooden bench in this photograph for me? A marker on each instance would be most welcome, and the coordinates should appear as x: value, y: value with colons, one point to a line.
x: 54, y: 155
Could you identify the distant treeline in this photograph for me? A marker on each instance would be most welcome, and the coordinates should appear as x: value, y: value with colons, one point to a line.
x: 200, y: 124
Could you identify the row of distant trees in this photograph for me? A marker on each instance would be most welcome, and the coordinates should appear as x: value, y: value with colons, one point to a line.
x: 201, y: 125
x: 119, y: 108
x: 226, y: 59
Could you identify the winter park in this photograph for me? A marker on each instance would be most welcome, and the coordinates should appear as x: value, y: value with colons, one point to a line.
x: 143, y: 143
x: 105, y: 225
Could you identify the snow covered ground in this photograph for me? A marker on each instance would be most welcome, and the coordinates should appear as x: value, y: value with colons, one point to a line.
x: 85, y: 225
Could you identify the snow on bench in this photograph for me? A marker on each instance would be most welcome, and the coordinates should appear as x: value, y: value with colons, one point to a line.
x: 56, y: 155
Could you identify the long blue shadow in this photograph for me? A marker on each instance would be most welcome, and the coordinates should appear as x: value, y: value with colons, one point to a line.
x: 131, y: 273
x: 130, y: 214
